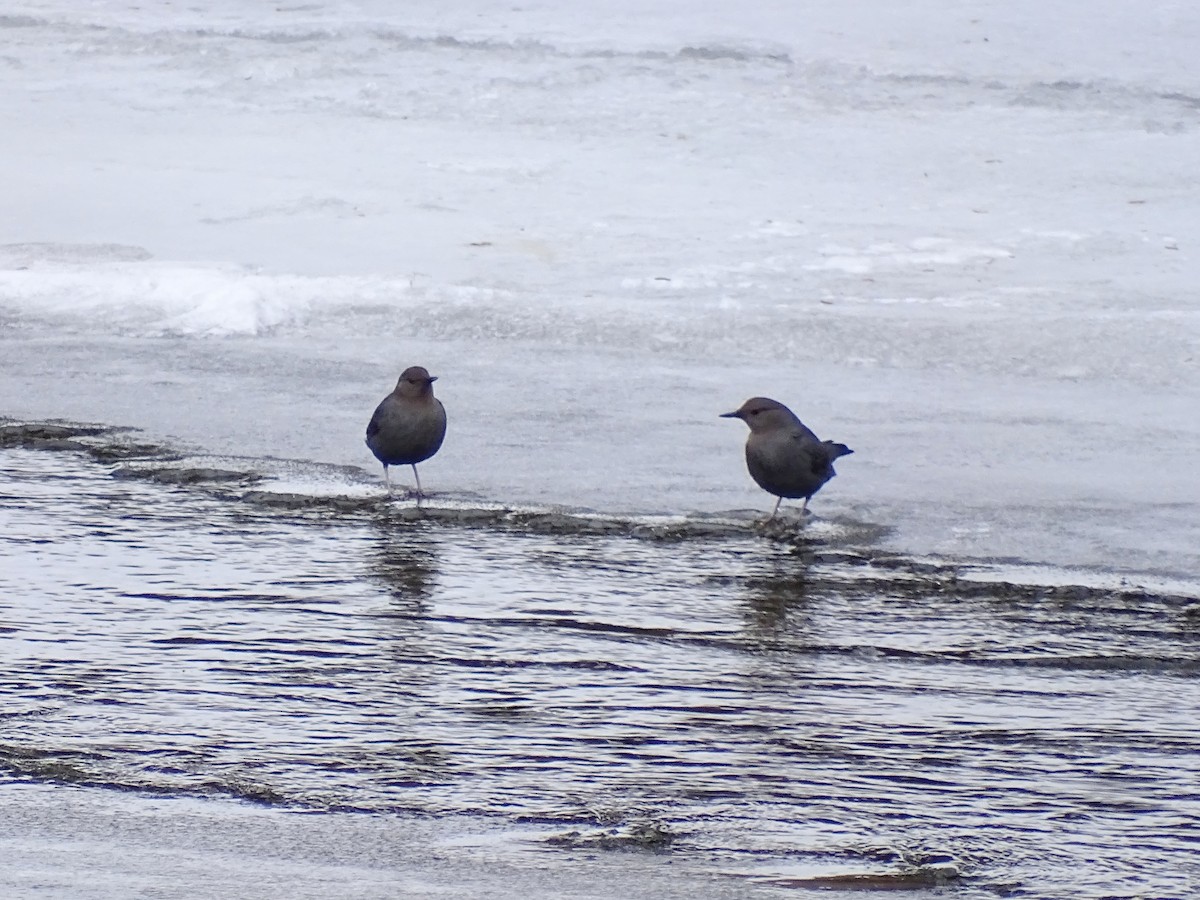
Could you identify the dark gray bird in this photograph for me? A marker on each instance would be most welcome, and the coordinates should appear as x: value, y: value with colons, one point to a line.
x: 409, y: 425
x: 784, y: 457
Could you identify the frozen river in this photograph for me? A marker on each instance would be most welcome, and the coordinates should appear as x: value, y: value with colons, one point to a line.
x: 957, y: 241
x: 958, y: 238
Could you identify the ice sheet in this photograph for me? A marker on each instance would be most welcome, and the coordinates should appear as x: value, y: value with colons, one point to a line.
x: 957, y: 238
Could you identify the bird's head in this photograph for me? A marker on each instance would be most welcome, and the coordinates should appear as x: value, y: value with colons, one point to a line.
x: 415, y: 381
x: 762, y: 414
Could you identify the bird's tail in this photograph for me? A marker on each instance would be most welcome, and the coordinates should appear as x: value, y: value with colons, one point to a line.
x: 836, y: 450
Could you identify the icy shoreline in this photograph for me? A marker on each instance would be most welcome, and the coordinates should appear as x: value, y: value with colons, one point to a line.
x: 841, y: 548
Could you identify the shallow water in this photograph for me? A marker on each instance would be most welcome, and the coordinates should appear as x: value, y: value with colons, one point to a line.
x: 750, y: 711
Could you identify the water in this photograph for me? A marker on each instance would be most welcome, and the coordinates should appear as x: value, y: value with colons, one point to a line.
x: 760, y: 712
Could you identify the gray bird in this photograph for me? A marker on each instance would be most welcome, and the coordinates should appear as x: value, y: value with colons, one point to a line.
x: 409, y: 425
x: 784, y: 457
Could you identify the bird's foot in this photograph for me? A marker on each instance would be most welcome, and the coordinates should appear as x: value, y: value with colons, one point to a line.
x: 784, y: 523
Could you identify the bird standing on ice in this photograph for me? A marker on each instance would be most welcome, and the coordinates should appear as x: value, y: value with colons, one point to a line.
x: 408, y: 426
x: 784, y: 457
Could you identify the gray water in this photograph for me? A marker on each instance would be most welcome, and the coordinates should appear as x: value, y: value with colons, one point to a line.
x: 405, y: 703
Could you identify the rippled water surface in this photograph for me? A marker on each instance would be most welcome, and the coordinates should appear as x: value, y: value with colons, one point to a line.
x: 753, y: 714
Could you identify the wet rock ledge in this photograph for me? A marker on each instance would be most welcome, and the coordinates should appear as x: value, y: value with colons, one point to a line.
x: 846, y: 547
x: 106, y: 446
x: 139, y: 460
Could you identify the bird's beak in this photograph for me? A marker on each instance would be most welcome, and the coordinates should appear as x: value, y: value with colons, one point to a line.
x: 432, y: 379
x: 731, y: 415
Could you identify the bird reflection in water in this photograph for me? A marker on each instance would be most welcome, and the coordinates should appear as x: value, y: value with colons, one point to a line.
x: 407, y: 565
x: 778, y: 600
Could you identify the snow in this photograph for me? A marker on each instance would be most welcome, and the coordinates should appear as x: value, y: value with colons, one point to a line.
x: 955, y: 236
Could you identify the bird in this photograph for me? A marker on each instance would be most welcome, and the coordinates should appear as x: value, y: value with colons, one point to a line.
x: 783, y: 455
x: 409, y: 424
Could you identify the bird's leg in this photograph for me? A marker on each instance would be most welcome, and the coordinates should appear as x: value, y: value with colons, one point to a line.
x: 387, y: 479
x: 778, y: 500
x: 804, y: 508
x: 418, y: 479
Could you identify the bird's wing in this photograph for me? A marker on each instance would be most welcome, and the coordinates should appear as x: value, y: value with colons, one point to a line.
x: 813, y: 451
x: 803, y: 432
x: 373, y: 425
